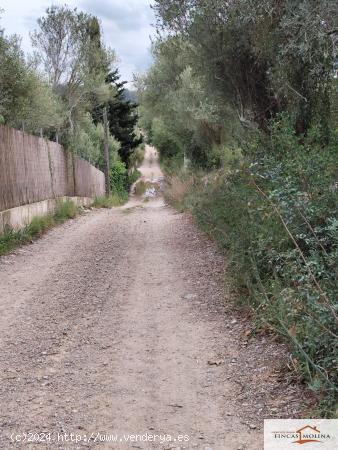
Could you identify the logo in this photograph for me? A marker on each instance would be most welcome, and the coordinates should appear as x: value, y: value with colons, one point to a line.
x: 310, y: 434
x: 304, y: 435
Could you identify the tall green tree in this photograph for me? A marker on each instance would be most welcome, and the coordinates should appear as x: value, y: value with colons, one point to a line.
x: 260, y: 57
x: 69, y: 48
x: 122, y: 117
x: 26, y: 100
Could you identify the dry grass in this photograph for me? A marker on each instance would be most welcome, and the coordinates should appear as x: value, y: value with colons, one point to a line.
x: 177, y: 188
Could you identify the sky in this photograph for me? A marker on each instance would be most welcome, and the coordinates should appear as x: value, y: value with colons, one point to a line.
x: 127, y: 26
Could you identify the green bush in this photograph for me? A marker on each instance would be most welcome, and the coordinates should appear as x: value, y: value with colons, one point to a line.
x: 118, y: 178
x: 141, y: 187
x: 112, y: 201
x: 164, y: 139
x: 65, y: 210
x: 275, y: 215
x: 38, y: 226
x: 121, y: 181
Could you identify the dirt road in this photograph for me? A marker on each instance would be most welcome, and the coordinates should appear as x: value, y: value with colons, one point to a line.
x: 116, y: 324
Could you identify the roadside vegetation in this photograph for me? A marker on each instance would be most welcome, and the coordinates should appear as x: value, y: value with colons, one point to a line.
x: 111, y: 201
x: 12, y: 239
x: 61, y: 92
x: 241, y: 102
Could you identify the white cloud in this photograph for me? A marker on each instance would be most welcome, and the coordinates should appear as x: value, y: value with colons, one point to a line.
x: 127, y: 26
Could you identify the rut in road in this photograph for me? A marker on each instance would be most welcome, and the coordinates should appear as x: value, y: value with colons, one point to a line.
x: 117, y: 323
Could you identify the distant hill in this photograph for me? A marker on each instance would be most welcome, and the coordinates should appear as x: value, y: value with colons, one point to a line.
x: 130, y: 96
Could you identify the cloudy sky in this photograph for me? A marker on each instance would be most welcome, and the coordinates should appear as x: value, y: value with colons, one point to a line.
x: 127, y: 26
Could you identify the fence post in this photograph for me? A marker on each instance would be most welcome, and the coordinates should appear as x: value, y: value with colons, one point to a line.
x: 106, y: 150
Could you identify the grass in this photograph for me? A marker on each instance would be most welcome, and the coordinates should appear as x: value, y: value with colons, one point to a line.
x: 177, y: 189
x: 66, y: 210
x: 12, y: 239
x: 110, y: 202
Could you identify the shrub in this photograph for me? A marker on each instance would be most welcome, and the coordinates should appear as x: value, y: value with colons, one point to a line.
x: 177, y: 189
x: 66, y: 210
x: 164, y: 139
x: 112, y: 201
x: 275, y: 215
x: 118, y: 178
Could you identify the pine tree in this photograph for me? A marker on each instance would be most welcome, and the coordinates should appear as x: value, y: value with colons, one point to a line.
x: 122, y: 117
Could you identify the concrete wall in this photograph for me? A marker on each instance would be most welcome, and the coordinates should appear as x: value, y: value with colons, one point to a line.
x: 16, y: 218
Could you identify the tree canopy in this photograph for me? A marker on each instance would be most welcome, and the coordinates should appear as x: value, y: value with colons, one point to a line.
x: 250, y: 60
x: 61, y: 91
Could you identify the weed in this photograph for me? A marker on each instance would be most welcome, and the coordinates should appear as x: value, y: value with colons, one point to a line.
x: 38, y: 226
x: 65, y: 210
x: 112, y: 201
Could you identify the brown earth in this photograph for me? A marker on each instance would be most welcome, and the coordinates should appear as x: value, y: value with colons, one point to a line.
x: 118, y: 322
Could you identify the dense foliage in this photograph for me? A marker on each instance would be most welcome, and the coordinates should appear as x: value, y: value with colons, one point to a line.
x: 123, y: 118
x: 61, y: 91
x: 276, y: 218
x: 244, y: 93
x: 25, y: 98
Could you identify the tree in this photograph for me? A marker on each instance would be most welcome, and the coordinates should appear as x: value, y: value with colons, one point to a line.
x: 64, y: 45
x: 25, y: 99
x: 260, y: 57
x: 87, y: 142
x: 122, y: 117
x: 68, y: 46
x: 178, y: 113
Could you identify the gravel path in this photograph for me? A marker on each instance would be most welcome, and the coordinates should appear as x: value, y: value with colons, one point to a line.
x: 116, y: 324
